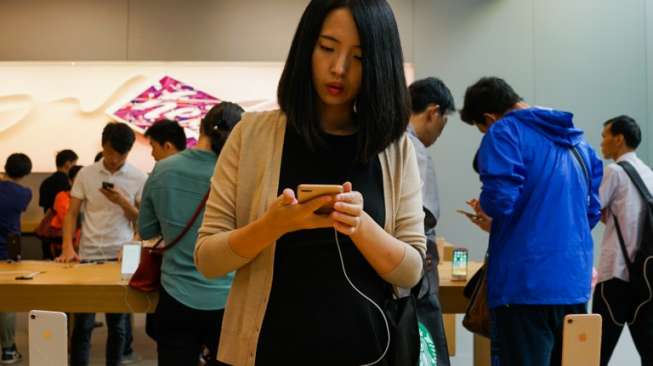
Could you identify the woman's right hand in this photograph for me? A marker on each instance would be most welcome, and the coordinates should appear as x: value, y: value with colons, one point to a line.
x: 286, y: 214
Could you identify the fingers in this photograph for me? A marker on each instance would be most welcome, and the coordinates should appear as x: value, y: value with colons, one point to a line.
x: 288, y: 197
x: 347, y: 220
x: 350, y: 197
x: 347, y: 187
x: 64, y: 259
x: 348, y: 208
x: 344, y: 229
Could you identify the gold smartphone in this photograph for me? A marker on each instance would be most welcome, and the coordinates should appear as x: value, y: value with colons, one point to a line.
x: 306, y: 192
x: 48, y: 338
x: 581, y: 340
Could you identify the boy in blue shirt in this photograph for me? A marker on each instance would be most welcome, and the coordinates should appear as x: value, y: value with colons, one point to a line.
x: 14, y: 199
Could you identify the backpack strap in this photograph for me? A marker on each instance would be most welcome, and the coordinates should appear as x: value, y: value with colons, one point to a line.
x: 646, y: 197
x: 576, y: 153
x: 637, y: 181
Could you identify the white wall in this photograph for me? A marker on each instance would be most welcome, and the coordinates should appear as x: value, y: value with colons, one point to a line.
x: 593, y: 58
x: 584, y: 56
x: 157, y: 30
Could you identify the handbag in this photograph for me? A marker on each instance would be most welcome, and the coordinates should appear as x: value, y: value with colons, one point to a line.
x: 401, y: 314
x: 45, y: 229
x: 433, y: 345
x: 477, y: 314
x: 147, y: 277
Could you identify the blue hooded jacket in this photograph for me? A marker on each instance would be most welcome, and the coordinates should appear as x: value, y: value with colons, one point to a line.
x: 542, y: 206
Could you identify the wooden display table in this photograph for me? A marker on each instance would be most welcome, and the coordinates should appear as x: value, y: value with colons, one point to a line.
x: 97, y: 288
x: 72, y: 287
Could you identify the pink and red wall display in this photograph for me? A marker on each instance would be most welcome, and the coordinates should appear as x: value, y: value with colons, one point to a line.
x: 168, y: 98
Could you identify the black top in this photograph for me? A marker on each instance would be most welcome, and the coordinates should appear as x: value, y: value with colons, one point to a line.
x: 313, y: 316
x: 52, y: 185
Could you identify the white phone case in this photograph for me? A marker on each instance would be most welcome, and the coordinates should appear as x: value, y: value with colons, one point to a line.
x: 48, y: 338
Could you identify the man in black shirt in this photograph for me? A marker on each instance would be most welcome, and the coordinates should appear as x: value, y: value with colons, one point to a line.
x: 54, y: 184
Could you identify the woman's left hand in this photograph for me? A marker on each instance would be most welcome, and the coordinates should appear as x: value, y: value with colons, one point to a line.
x: 348, y: 211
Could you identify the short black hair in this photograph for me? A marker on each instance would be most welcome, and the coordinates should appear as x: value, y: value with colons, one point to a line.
x: 65, y: 156
x: 628, y: 128
x: 166, y: 130
x: 119, y: 136
x: 430, y: 91
x: 72, y: 173
x: 382, y: 105
x: 218, y: 123
x: 488, y: 95
x: 97, y: 157
x: 18, y: 165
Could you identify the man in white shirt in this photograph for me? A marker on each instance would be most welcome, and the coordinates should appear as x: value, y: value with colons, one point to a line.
x: 620, y: 200
x: 108, y: 193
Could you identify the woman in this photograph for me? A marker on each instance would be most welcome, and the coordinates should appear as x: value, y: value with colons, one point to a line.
x: 190, y: 308
x: 60, y: 207
x: 344, y: 111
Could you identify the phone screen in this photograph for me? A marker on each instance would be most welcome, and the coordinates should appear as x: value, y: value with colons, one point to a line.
x: 131, y: 256
x: 459, y: 263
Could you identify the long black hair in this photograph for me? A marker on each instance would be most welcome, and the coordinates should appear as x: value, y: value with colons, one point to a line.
x: 382, y: 105
x: 218, y: 123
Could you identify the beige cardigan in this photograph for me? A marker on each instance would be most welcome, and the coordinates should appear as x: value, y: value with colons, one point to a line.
x: 245, y: 183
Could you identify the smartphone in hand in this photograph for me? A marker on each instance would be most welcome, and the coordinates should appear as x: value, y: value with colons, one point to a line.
x: 107, y: 185
x: 471, y: 216
x: 306, y: 192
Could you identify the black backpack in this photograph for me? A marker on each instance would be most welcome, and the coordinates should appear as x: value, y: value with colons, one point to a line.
x: 641, y: 268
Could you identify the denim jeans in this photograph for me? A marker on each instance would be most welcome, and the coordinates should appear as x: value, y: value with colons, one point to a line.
x: 529, y: 334
x: 129, y: 336
x: 81, y: 339
x: 7, y: 329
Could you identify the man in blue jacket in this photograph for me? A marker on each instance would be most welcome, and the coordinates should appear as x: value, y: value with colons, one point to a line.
x: 543, y: 203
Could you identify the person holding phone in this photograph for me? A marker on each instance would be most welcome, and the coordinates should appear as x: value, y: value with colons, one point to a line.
x: 540, y: 181
x: 344, y: 112
x: 108, y: 193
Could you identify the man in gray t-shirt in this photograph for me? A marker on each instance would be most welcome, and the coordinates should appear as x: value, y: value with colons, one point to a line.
x: 431, y: 103
x: 107, y: 193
